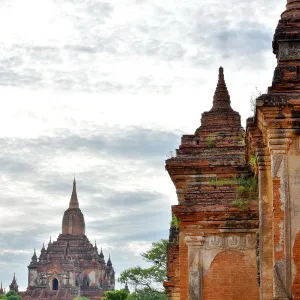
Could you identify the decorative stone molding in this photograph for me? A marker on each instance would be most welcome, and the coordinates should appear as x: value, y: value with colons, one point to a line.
x: 230, y: 241
x: 295, y: 149
x: 263, y: 159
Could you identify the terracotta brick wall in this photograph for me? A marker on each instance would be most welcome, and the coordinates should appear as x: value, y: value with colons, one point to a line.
x: 232, y: 276
x: 296, y: 257
x: 184, y: 277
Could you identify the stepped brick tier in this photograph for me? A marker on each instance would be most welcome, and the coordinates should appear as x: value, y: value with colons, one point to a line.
x: 215, y: 244
x: 70, y: 266
x: 214, y: 253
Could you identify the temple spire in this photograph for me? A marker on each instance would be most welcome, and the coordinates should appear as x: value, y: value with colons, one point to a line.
x: 74, y: 200
x: 109, y: 263
x: 101, y: 254
x: 34, y: 257
x: 292, y: 11
x: 221, y: 97
x: 14, y: 286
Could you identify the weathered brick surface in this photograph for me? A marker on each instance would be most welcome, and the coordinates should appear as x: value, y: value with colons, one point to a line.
x: 296, y: 258
x: 277, y: 120
x: 215, y: 152
x: 232, y: 276
x: 206, y: 173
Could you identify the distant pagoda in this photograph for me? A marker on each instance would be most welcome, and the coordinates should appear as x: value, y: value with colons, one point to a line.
x: 70, y: 266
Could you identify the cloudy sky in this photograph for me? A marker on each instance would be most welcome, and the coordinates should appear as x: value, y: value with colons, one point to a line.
x: 105, y: 90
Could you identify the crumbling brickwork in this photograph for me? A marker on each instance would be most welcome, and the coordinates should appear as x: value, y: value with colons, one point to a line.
x: 219, y: 217
x: 217, y: 205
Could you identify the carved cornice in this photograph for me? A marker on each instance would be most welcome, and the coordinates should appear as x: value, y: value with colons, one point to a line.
x: 263, y: 158
x: 236, y: 241
x: 279, y: 140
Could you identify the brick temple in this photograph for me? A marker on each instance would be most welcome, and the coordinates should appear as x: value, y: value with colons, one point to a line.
x: 235, y: 233
x: 70, y: 266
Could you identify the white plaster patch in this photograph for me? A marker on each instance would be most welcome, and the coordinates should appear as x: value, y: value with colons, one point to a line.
x: 207, y: 258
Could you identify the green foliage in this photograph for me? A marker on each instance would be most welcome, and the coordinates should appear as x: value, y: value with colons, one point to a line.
x: 12, y: 295
x: 151, y: 278
x: 147, y: 295
x: 3, y: 297
x: 252, y: 161
x: 81, y: 298
x: 116, y: 295
x: 210, y: 141
x: 246, y: 189
x: 14, y: 298
x: 175, y: 222
x: 245, y: 192
x: 220, y: 182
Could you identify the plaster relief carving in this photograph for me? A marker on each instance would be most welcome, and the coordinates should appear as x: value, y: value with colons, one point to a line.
x: 234, y: 241
x: 215, y: 241
x: 230, y: 241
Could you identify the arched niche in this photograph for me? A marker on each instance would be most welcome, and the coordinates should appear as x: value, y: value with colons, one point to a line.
x: 55, y: 284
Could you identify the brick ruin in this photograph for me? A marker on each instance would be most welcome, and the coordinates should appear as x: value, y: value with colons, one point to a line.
x: 236, y: 228
x: 70, y: 266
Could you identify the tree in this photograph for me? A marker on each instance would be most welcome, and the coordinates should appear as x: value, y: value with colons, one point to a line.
x: 148, y: 282
x: 12, y: 295
x: 116, y: 295
x: 146, y: 295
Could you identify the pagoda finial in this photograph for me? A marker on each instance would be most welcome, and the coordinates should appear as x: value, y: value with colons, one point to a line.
x: 14, y: 286
x: 74, y: 200
x: 50, y: 240
x: 221, y: 98
x: 101, y: 255
x: 34, y: 257
x: 109, y: 263
x: 292, y: 11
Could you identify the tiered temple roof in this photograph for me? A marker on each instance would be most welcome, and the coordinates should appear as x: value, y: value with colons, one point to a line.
x: 71, y: 265
x: 216, y: 192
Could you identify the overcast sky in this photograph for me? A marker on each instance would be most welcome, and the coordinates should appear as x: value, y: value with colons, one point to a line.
x: 105, y: 90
